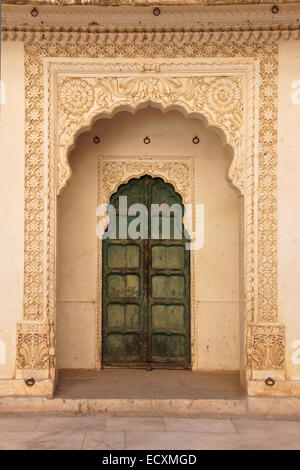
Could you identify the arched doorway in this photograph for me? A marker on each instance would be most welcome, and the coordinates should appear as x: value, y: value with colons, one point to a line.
x: 216, y: 302
x: 146, y: 278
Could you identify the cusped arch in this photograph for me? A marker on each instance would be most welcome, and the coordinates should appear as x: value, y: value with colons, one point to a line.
x: 146, y: 171
x: 154, y: 169
x: 115, y: 171
x: 168, y: 96
x: 153, y: 174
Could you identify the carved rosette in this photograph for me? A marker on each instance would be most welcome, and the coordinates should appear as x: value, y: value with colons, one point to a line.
x: 76, y: 97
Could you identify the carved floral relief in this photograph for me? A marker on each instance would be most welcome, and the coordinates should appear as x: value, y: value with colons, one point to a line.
x: 268, y: 343
x: 219, y: 99
x: 32, y: 347
x: 116, y: 172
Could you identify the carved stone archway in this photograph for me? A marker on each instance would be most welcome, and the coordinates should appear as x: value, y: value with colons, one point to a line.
x: 227, y: 92
x: 218, y: 100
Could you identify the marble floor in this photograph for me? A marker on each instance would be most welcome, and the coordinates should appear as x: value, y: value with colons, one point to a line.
x: 155, y: 433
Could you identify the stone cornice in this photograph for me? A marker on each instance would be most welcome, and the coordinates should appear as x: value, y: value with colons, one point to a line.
x: 128, y: 37
x: 178, y: 23
x: 144, y: 2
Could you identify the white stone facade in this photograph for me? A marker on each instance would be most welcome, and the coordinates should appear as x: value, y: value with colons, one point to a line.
x: 241, y: 89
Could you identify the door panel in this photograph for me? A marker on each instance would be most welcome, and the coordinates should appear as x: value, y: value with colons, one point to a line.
x: 171, y: 347
x: 167, y: 316
x: 126, y: 285
x: 168, y: 257
x: 168, y: 287
x: 146, y: 284
x: 123, y: 316
x: 119, y: 256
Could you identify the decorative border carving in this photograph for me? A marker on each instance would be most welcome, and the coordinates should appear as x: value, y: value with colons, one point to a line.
x: 221, y: 36
x: 40, y: 281
x: 214, y: 22
x: 145, y: 2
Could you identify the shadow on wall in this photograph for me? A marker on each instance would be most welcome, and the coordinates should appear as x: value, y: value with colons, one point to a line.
x: 2, y: 352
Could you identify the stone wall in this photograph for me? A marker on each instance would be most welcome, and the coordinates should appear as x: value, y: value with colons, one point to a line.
x: 12, y: 213
x: 11, y: 203
x: 289, y: 202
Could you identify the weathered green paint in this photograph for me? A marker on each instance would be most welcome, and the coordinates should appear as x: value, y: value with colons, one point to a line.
x: 146, y: 289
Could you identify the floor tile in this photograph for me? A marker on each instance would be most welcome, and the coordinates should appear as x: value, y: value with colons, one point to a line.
x: 105, y: 440
x: 73, y: 432
x: 199, y: 425
x: 14, y: 423
x: 163, y: 440
x: 135, y: 424
x: 41, y: 441
x: 274, y: 427
x: 70, y: 424
x: 203, y: 441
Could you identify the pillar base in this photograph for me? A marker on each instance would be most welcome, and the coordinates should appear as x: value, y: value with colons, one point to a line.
x: 18, y: 388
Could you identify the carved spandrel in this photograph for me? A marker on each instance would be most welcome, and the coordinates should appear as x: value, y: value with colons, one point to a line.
x: 218, y: 99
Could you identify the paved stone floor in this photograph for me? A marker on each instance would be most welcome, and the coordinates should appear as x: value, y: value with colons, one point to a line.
x: 109, y: 433
x: 138, y: 383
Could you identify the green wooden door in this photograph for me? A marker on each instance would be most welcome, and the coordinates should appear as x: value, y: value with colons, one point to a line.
x: 146, y: 287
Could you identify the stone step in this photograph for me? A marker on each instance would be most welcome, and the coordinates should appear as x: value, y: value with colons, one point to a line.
x: 134, y: 407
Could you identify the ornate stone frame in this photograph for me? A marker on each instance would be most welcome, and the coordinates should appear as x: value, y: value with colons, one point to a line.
x: 157, y: 75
